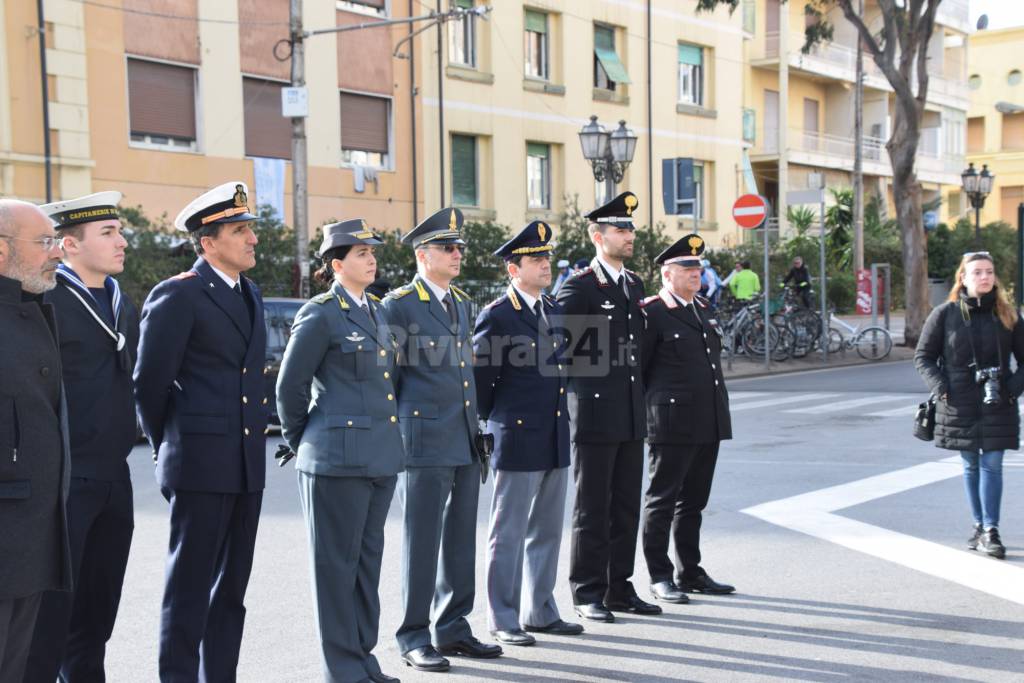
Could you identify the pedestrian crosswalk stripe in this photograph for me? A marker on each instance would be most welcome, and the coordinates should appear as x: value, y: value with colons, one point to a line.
x: 897, y: 412
x: 768, y: 403
x: 852, y: 403
x: 740, y: 395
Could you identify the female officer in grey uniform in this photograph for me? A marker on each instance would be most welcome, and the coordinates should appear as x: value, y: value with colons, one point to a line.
x: 339, y: 416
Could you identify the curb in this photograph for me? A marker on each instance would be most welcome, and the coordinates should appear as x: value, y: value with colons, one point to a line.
x: 825, y: 368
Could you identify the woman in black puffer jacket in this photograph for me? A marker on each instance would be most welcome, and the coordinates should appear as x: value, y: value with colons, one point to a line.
x: 975, y: 330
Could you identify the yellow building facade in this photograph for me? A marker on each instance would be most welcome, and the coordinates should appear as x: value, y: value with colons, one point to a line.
x: 995, y: 124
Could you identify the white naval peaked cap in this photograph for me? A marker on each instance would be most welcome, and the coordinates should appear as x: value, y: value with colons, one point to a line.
x: 227, y: 203
x: 99, y: 206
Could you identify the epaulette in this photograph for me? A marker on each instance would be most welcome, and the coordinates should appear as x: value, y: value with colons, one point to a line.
x: 459, y: 292
x: 649, y: 300
x: 514, y: 299
x: 582, y: 271
x: 322, y: 298
x: 497, y: 301
x: 701, y: 301
x: 399, y: 293
x: 548, y: 299
x: 373, y: 297
x: 186, y: 275
x: 630, y: 274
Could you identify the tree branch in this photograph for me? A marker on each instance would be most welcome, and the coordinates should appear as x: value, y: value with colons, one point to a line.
x: 925, y: 29
x: 883, y: 55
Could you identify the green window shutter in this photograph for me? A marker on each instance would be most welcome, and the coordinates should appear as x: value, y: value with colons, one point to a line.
x: 749, y: 125
x: 604, y: 48
x: 536, y: 21
x: 464, y: 170
x: 464, y: 4
x: 537, y: 149
x: 604, y: 38
x: 690, y: 54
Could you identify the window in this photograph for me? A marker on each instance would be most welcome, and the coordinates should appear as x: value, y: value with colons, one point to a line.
x: 749, y: 125
x: 535, y: 46
x: 538, y: 175
x: 691, y: 75
x: 462, y: 37
x: 162, y: 105
x: 975, y: 134
x: 682, y: 187
x: 1013, y: 131
x: 375, y: 8
x: 974, y: 82
x: 464, y: 176
x: 608, y: 68
x: 1010, y: 198
x: 1014, y: 77
x: 365, y: 130
x: 267, y: 133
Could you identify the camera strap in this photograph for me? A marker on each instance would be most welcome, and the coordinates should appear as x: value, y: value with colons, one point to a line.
x: 966, y: 315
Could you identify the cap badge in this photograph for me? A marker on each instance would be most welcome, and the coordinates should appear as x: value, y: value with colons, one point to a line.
x: 240, y: 197
x: 695, y: 244
x: 631, y: 202
x: 452, y: 223
x: 542, y: 231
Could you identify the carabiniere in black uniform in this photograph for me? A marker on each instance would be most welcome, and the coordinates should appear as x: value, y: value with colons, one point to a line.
x: 687, y: 418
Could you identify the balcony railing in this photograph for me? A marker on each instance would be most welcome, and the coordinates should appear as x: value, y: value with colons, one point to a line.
x: 823, y: 55
x: 930, y: 161
x: 872, y: 149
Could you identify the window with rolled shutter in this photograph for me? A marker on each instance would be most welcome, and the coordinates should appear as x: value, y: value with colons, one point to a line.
x: 161, y: 101
x: 464, y: 189
x: 364, y: 123
x: 267, y: 133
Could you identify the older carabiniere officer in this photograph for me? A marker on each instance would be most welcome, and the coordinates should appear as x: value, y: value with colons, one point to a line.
x: 687, y: 418
x: 336, y: 399
x: 521, y: 382
x: 440, y: 487
x: 200, y: 397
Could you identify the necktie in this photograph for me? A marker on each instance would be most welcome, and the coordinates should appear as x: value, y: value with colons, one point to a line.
x: 366, y: 310
x: 449, y: 306
x: 245, y: 302
x: 539, y: 310
x: 238, y: 288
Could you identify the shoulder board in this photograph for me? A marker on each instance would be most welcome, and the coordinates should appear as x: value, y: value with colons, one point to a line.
x: 701, y: 301
x: 399, y: 293
x: 548, y: 299
x: 649, y: 300
x: 459, y: 292
x: 500, y: 299
x: 322, y: 298
x: 583, y: 271
x: 373, y: 297
x: 186, y: 275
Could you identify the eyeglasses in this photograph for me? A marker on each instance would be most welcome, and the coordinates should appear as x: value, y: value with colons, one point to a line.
x: 974, y: 255
x: 48, y: 242
x: 451, y: 248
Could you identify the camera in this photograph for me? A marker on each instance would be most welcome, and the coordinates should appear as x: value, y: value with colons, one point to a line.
x: 988, y: 378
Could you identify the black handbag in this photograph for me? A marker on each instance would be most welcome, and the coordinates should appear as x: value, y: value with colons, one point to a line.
x: 924, y: 420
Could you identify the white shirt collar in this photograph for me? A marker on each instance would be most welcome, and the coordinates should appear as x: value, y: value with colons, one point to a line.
x: 680, y: 299
x: 614, y: 272
x: 227, y: 280
x: 438, y: 291
x: 360, y: 301
x: 530, y: 301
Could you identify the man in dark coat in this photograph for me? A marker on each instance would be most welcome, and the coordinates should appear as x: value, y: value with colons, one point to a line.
x: 99, y: 336
x: 34, y: 461
x: 801, y: 279
x: 200, y: 393
x: 687, y: 418
x: 520, y: 383
x: 606, y: 416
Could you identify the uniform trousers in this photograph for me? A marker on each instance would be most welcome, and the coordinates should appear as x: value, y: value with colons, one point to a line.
x: 526, y: 525
x: 438, y: 553
x: 209, y: 560
x: 72, y: 629
x: 681, y: 476
x: 605, y: 520
x: 345, y: 519
x: 17, y: 618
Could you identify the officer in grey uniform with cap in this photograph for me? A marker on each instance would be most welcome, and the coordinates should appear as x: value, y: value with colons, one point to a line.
x: 440, y: 487
x: 336, y: 399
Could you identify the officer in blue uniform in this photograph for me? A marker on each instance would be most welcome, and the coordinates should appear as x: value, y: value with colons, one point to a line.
x: 441, y: 485
x: 99, y: 337
x: 336, y: 399
x: 200, y: 395
x: 521, y: 381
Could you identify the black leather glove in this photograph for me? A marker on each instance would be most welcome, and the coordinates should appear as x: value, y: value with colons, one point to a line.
x: 283, y: 455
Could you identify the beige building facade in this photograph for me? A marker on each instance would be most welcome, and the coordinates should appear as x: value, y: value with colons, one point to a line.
x: 995, y: 124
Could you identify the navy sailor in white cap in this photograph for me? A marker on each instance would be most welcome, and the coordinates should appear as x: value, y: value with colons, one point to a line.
x: 200, y: 394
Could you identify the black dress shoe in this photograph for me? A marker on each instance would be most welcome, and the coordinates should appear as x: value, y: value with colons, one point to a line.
x: 595, y: 612
x: 470, y: 647
x: 972, y: 542
x: 513, y: 637
x: 426, y: 658
x: 557, y: 628
x: 705, y: 584
x: 384, y: 678
x: 632, y: 604
x: 990, y: 544
x: 666, y: 591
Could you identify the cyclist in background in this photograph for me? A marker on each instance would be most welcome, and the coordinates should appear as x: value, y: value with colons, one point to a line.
x: 801, y: 278
x: 744, y: 283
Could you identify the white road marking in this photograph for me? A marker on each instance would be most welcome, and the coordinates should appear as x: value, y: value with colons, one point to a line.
x: 740, y: 395
x: 852, y: 403
x: 897, y: 412
x: 779, y: 401
x: 814, y: 514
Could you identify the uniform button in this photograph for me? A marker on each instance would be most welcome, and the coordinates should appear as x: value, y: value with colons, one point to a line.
x: 394, y: 419
x: 533, y: 343
x: 391, y: 397
x: 245, y: 399
x: 561, y: 390
x: 458, y: 344
x: 465, y: 383
x: 246, y: 431
x: 609, y: 317
x: 559, y: 366
x: 597, y: 395
x: 267, y: 430
x: 359, y: 347
x: 554, y: 344
x: 671, y: 400
x: 705, y: 335
x: 383, y: 352
x: 707, y: 349
x: 632, y: 378
x: 558, y: 413
x: 632, y: 358
x: 630, y: 335
x: 712, y: 366
x: 629, y: 316
x: 44, y: 371
x: 264, y: 401
x: 462, y: 364
x: 349, y: 423
x: 716, y: 382
x: 519, y: 422
x: 387, y: 374
x: 266, y: 371
x: 677, y: 335
x: 467, y: 404
x: 415, y: 413
x: 245, y: 370
x: 431, y: 343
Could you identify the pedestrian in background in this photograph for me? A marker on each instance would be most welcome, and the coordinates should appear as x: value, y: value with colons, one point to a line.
x: 801, y: 279
x: 336, y: 399
x: 34, y: 458
x: 964, y: 357
x: 744, y: 283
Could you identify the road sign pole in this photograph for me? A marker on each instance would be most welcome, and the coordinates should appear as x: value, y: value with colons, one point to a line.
x: 767, y: 290
x: 823, y: 281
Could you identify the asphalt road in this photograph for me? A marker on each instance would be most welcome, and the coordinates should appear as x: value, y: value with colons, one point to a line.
x: 865, y: 581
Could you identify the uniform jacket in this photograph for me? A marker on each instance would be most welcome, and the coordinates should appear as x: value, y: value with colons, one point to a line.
x: 686, y: 397
x: 335, y: 391
x: 434, y: 383
x: 943, y: 357
x: 34, y: 459
x: 605, y: 330
x: 521, y: 382
x: 100, y: 396
x: 199, y: 383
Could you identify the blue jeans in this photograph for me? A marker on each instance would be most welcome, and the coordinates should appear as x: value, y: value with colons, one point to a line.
x: 983, y: 480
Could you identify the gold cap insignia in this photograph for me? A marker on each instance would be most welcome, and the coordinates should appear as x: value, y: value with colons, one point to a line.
x: 240, y: 197
x: 631, y: 202
x: 452, y: 223
x: 542, y: 231
x: 696, y: 244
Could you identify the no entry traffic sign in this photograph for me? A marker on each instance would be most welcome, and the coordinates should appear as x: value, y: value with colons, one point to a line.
x: 750, y: 211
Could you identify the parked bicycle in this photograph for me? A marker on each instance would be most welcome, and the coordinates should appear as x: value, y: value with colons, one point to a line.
x: 871, y: 343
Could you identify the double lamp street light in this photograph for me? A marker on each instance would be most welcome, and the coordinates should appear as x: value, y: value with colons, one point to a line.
x: 609, y: 154
x: 977, y: 186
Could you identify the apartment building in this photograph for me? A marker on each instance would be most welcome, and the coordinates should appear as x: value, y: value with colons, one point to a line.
x: 995, y: 123
x: 161, y: 99
x: 800, y: 113
x: 515, y: 89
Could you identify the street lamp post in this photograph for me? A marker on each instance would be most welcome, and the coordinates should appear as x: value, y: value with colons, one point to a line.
x: 609, y: 154
x: 977, y: 187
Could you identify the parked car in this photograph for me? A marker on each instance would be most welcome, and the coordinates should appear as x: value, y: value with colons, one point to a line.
x: 279, y: 314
